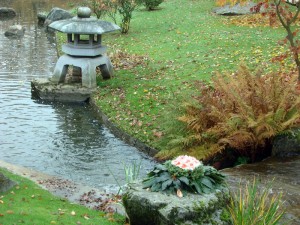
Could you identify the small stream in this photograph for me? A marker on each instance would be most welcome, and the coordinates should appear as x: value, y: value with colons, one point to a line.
x: 65, y: 140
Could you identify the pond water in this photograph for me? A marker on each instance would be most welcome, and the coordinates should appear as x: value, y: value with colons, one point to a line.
x: 59, y: 139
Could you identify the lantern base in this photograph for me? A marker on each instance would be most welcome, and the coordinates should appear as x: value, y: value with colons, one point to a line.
x: 87, y: 65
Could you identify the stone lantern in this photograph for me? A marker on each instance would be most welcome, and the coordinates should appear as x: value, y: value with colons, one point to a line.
x: 83, y: 49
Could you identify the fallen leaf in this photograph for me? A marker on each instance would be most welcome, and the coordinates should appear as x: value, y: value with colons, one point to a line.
x: 10, y: 212
x: 140, y: 123
x: 179, y: 193
x: 73, y: 213
x: 86, y: 217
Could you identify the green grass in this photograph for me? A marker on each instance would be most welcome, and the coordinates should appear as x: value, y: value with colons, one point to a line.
x: 183, y: 41
x: 255, y: 205
x: 27, y: 203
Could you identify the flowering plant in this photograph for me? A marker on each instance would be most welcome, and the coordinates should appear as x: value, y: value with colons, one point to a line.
x: 183, y: 174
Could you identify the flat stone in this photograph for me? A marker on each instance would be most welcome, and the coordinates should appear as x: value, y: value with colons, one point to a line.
x: 47, y: 90
x: 15, y: 31
x: 155, y: 208
x: 7, y: 13
x: 237, y: 9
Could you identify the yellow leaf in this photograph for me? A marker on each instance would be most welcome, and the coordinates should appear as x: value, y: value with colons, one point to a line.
x: 179, y: 193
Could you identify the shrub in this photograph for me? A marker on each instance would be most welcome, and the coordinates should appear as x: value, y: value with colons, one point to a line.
x: 241, y: 111
x: 99, y: 7
x: 150, y: 4
x: 125, y: 9
x: 110, y: 8
x: 255, y: 206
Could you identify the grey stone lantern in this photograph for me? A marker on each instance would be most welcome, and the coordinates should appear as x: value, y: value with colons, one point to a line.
x: 83, y: 48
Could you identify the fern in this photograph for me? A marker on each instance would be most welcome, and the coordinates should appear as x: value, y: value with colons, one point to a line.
x: 243, y: 111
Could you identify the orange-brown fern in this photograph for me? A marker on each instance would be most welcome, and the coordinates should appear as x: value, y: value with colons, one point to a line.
x: 242, y: 111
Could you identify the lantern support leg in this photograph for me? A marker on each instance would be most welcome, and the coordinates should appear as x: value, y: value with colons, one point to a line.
x: 88, y: 69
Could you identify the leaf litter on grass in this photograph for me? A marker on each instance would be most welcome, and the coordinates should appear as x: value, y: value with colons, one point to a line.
x: 179, y: 45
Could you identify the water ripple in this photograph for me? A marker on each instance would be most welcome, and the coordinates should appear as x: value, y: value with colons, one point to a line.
x: 59, y: 139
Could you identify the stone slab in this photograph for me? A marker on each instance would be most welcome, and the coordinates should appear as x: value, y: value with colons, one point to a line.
x: 47, y: 90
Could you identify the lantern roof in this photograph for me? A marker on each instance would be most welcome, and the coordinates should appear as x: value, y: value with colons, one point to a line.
x: 84, y: 23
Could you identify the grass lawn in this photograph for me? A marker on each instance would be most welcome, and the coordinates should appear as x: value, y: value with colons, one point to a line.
x: 27, y: 203
x: 177, y: 44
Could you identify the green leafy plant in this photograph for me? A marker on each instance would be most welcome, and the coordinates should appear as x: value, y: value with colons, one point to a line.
x: 241, y: 111
x: 255, y: 206
x: 150, y: 4
x: 125, y: 9
x: 183, y: 174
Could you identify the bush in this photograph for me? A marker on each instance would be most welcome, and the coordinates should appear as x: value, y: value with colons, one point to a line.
x: 125, y: 9
x: 150, y: 4
x: 98, y: 7
x: 241, y: 111
x: 255, y: 206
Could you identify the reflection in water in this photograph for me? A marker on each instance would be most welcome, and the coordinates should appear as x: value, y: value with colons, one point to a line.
x: 59, y: 139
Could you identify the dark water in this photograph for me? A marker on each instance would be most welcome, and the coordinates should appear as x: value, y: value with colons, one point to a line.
x: 58, y: 139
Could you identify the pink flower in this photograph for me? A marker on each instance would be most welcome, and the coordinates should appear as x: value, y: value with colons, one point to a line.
x: 186, y: 162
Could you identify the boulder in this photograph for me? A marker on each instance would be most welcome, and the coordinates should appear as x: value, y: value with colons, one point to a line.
x: 286, y: 145
x: 57, y: 14
x: 7, y: 13
x: 15, y: 31
x: 5, y: 183
x: 155, y: 208
x: 237, y: 9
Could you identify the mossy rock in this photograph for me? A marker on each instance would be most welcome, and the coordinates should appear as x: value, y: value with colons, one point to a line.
x: 5, y: 183
x: 287, y: 144
x: 155, y: 208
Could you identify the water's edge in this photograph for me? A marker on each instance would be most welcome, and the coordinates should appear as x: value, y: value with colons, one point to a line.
x: 63, y: 188
x: 119, y: 133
